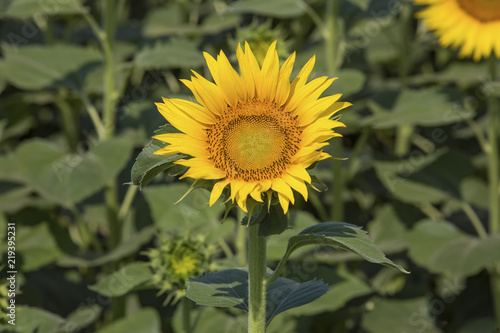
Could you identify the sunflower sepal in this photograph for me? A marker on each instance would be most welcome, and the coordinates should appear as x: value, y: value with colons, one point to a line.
x: 272, y: 220
x: 317, y: 184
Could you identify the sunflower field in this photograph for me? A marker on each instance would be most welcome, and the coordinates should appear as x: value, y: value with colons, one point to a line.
x: 280, y: 166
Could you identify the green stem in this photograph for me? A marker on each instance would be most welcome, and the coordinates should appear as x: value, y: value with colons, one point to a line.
x: 68, y: 120
x: 337, y: 212
x: 331, y: 36
x: 109, y: 110
x: 493, y: 165
x: 475, y: 220
x: 404, y: 132
x: 241, y: 241
x: 493, y: 180
x: 186, y: 315
x: 127, y: 202
x: 256, y: 281
x: 403, y: 136
x: 94, y: 115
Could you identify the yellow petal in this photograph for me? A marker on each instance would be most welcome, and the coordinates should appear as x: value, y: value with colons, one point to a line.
x: 217, y: 191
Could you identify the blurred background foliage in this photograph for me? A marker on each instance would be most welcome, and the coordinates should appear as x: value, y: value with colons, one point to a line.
x: 78, y: 82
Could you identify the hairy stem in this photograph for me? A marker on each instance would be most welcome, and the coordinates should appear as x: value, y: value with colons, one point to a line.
x: 256, y: 281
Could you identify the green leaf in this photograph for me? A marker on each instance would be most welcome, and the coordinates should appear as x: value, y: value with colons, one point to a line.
x: 50, y: 67
x: 442, y: 248
x: 425, y: 107
x: 425, y: 178
x: 82, y: 317
x: 221, y: 289
x: 209, y: 320
x: 399, y: 316
x: 123, y: 250
x: 344, y: 288
x: 475, y: 191
x: 338, y: 234
x: 36, y: 246
x: 30, y: 319
x: 175, y: 53
x: 23, y: 9
x: 147, y: 165
x: 67, y: 179
x: 229, y: 288
x: 124, y: 280
x: 277, y: 244
x: 276, y: 8
x: 191, y: 213
x: 145, y: 321
x: 284, y: 294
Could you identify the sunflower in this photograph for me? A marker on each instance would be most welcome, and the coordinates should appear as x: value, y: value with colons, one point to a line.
x: 472, y: 24
x: 254, y: 132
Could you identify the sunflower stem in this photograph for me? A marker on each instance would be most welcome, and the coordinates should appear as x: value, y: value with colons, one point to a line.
x: 493, y: 180
x: 186, y: 315
x: 256, y: 281
x: 241, y: 241
x: 332, y: 38
x: 404, y: 132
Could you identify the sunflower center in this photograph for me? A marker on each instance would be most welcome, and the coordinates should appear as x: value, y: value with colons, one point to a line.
x: 254, y: 141
x: 482, y: 10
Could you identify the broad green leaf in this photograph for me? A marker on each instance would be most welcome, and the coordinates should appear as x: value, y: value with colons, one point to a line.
x: 124, y: 280
x: 144, y: 321
x: 147, y: 165
x: 210, y: 320
x: 276, y: 245
x: 442, y: 248
x: 345, y: 288
x: 82, y: 317
x: 399, y: 316
x: 23, y: 9
x: 475, y: 191
x: 284, y: 294
x: 175, y: 53
x: 229, y: 288
x: 350, y: 82
x: 338, y: 234
x: 31, y: 319
x: 123, y: 250
x: 388, y: 228
x: 15, y: 199
x: 425, y: 178
x: 50, y: 67
x: 191, y: 213
x: 425, y: 107
x: 484, y: 324
x: 36, y: 246
x: 226, y: 288
x: 276, y: 8
x: 67, y: 179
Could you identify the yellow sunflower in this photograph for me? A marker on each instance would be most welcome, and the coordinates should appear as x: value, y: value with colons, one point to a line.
x: 256, y: 131
x: 472, y: 24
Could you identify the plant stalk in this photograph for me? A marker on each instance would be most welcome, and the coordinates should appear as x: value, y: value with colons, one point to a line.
x: 493, y: 180
x: 331, y: 36
x: 256, y: 281
x: 404, y: 132
x: 186, y: 315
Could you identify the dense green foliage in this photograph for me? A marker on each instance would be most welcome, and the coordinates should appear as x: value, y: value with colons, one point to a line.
x: 78, y: 82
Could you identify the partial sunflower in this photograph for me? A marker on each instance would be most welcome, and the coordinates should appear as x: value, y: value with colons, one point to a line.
x: 474, y: 25
x: 255, y: 132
